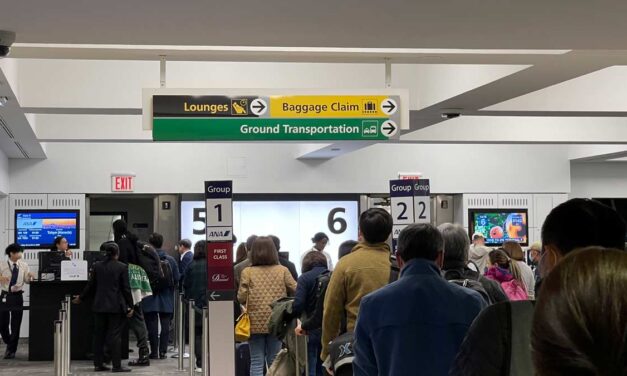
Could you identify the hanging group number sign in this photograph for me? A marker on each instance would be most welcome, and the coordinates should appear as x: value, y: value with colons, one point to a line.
x: 410, y: 203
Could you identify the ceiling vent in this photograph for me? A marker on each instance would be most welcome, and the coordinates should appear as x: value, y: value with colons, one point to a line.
x: 24, y: 153
x: 6, y: 128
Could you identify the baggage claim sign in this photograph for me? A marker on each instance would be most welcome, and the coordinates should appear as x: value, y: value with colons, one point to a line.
x: 276, y: 118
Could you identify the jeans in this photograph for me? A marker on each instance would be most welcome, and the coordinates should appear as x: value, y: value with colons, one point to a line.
x: 263, y: 350
x: 314, y: 348
x: 158, y: 343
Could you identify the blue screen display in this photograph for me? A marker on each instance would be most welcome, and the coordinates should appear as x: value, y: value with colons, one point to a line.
x: 38, y: 229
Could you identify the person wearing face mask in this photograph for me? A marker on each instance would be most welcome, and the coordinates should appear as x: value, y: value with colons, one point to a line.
x: 61, y: 245
x: 14, y: 273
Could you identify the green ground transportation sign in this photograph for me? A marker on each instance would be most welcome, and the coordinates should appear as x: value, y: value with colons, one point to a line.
x: 275, y: 118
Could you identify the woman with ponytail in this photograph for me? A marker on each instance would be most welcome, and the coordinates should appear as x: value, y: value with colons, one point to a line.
x: 506, y: 272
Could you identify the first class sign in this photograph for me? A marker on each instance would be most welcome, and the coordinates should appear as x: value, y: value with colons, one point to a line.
x: 122, y: 183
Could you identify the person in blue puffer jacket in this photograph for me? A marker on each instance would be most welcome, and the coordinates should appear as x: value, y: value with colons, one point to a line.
x: 314, y: 264
x: 159, y: 308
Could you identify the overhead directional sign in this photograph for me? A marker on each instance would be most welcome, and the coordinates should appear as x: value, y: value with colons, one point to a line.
x: 276, y: 117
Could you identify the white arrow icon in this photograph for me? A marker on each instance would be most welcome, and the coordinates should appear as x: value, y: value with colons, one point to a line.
x: 389, y: 106
x: 213, y: 295
x: 389, y: 128
x: 258, y: 107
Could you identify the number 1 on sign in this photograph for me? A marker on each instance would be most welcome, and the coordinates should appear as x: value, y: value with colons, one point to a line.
x: 219, y: 213
x: 219, y: 207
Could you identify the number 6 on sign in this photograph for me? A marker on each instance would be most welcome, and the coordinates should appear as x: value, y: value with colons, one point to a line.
x: 422, y: 209
x: 219, y: 212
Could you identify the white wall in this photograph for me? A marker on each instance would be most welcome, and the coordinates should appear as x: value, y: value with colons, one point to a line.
x: 272, y: 168
x: 599, y: 180
x: 4, y: 174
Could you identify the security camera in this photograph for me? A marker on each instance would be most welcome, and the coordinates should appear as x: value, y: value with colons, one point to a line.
x: 7, y: 38
x: 450, y: 114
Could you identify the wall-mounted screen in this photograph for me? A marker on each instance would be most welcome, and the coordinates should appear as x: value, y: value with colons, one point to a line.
x: 294, y: 222
x: 37, y: 229
x: 500, y: 225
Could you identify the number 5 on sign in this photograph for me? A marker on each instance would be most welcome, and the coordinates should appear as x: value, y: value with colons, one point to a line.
x: 219, y: 212
x: 422, y: 209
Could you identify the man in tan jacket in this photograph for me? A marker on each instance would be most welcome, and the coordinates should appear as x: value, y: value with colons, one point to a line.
x: 364, y: 270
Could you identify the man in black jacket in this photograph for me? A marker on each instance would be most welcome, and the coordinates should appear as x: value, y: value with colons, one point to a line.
x: 112, y: 301
x: 456, y: 245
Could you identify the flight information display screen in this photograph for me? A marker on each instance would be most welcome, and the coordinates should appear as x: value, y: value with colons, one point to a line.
x: 38, y: 229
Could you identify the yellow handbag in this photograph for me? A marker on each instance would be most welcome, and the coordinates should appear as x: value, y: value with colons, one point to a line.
x: 242, y: 328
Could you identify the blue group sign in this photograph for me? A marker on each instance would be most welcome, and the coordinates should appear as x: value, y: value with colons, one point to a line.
x: 410, y: 203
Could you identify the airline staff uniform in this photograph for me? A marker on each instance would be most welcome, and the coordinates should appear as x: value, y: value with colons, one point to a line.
x: 12, y: 302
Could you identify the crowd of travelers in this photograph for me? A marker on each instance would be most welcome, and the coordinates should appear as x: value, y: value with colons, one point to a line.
x: 442, y: 303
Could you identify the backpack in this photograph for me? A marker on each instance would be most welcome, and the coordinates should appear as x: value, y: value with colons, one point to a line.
x: 166, y: 279
x: 152, y: 264
x: 455, y: 277
x: 322, y: 281
x: 514, y: 290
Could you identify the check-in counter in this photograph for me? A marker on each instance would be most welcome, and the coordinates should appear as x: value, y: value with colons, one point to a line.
x: 45, y: 302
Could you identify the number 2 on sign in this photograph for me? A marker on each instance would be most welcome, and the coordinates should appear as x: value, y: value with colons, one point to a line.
x: 422, y: 209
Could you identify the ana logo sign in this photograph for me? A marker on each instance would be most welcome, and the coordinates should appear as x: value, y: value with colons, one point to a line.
x: 219, y: 234
x: 220, y: 278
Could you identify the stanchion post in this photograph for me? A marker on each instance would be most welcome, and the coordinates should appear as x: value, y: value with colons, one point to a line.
x: 68, y: 332
x: 192, y: 337
x: 205, y: 341
x: 58, y: 342
x: 62, y: 318
x: 176, y: 320
x: 181, y: 330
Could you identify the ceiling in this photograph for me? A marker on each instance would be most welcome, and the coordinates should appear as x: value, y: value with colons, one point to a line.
x: 493, y: 24
x: 503, y: 65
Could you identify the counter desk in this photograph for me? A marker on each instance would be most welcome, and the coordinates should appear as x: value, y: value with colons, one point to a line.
x: 45, y: 302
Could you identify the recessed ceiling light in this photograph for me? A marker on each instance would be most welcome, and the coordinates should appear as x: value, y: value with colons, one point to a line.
x: 3, y: 101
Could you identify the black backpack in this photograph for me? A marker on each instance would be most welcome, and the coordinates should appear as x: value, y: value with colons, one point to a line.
x: 154, y: 267
x: 322, y: 281
x: 469, y: 281
x: 166, y: 279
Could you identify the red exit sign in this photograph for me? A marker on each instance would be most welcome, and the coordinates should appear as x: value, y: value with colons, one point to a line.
x: 122, y: 183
